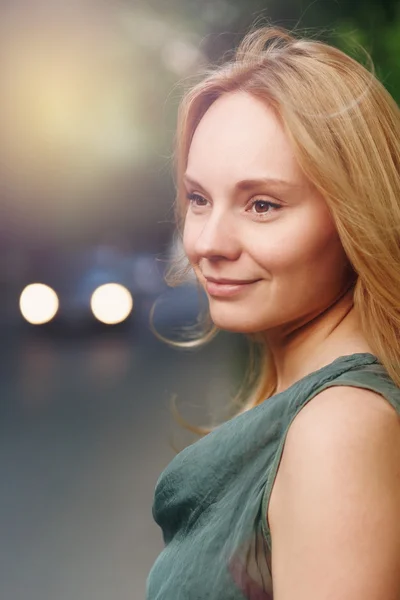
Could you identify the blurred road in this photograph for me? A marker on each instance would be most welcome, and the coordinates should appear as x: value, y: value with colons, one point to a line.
x: 85, y: 431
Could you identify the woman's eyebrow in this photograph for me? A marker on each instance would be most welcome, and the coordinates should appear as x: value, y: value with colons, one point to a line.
x: 248, y: 184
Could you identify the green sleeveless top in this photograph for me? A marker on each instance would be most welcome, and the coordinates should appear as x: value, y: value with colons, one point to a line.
x: 211, y: 501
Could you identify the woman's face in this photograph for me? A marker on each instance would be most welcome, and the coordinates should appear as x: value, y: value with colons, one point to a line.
x: 259, y: 236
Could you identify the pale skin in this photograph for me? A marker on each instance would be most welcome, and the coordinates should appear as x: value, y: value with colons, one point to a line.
x: 334, y: 511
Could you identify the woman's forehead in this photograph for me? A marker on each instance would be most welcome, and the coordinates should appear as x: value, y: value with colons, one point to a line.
x: 241, y: 137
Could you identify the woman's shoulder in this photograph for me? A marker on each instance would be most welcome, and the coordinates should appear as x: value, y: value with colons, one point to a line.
x: 358, y: 404
x: 331, y: 411
x: 364, y: 383
x: 338, y: 484
x: 341, y: 410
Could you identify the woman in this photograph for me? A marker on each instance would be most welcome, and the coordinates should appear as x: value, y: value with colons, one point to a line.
x: 289, y: 201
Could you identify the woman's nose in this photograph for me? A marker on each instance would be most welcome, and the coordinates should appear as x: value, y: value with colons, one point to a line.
x: 218, y: 239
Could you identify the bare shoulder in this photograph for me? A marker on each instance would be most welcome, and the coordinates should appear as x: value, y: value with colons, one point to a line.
x: 335, y: 517
x: 343, y: 424
x: 350, y: 412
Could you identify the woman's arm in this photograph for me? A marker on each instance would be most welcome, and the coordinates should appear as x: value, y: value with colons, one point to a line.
x: 334, y: 513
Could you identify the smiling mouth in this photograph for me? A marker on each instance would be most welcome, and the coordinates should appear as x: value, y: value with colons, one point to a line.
x: 231, y: 281
x: 225, y: 288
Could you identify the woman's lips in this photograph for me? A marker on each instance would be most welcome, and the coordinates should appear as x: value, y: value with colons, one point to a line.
x: 224, y: 288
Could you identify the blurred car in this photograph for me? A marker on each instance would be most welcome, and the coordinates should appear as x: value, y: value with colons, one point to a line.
x: 97, y: 286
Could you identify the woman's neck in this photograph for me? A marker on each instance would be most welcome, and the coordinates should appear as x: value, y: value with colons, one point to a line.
x: 307, y: 347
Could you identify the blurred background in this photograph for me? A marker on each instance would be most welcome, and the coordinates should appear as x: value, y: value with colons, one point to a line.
x: 88, y: 98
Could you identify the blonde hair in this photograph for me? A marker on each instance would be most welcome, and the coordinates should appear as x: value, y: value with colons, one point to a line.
x: 345, y: 131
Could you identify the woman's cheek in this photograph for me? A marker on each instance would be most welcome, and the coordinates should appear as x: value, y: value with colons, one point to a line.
x: 278, y: 249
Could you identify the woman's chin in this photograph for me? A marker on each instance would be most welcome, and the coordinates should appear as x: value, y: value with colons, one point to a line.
x: 237, y: 325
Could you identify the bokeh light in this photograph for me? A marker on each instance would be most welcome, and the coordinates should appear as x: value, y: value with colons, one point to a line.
x: 111, y: 303
x: 38, y: 303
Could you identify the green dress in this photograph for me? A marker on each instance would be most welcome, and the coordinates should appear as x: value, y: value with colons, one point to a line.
x: 211, y: 501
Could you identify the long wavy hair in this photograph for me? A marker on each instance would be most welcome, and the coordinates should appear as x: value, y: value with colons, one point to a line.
x: 345, y: 130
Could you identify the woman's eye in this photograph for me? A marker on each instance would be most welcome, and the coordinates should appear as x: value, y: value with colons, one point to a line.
x: 263, y: 206
x: 196, y: 200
